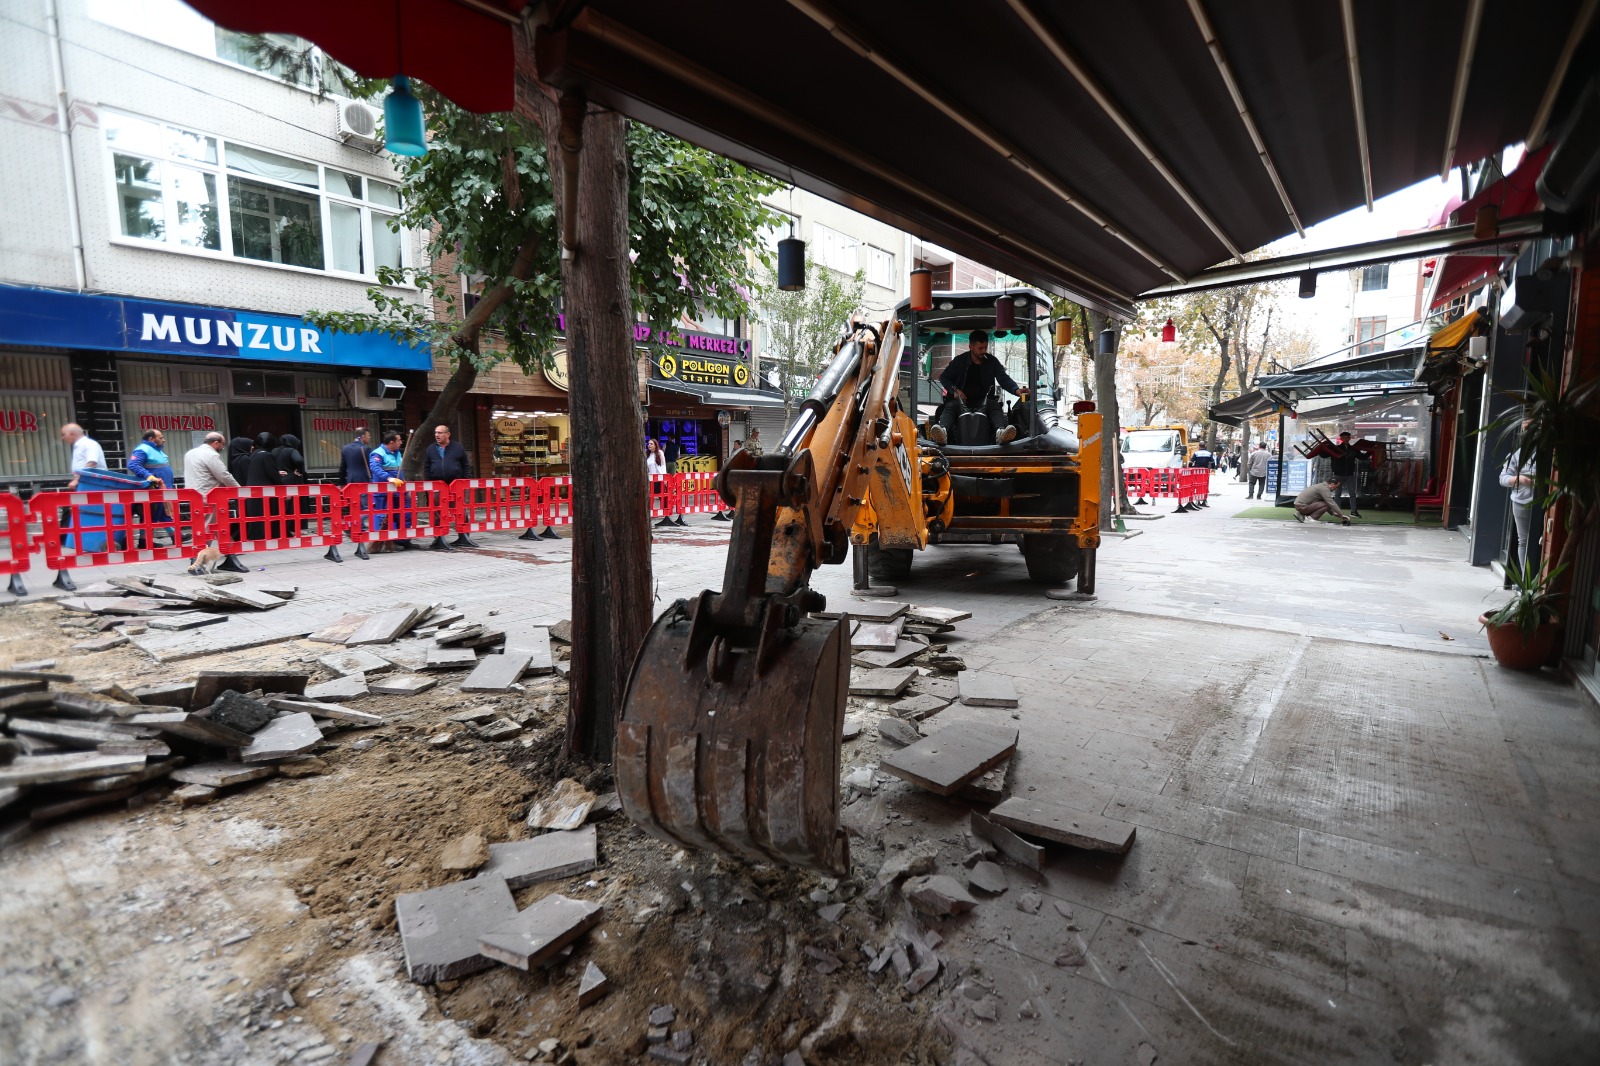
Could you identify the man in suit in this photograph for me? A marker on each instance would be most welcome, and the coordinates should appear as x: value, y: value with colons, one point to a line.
x: 447, y: 460
x: 353, y: 460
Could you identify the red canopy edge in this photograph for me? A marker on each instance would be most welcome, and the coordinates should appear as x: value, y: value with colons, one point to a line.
x: 462, y: 50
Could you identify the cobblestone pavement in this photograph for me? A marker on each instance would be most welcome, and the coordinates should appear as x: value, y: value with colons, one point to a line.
x: 1359, y: 840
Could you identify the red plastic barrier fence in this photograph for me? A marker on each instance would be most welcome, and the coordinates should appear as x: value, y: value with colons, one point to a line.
x: 698, y: 493
x: 1137, y: 481
x: 664, y: 495
x: 556, y: 503
x: 14, y: 546
x: 381, y: 512
x: 485, y: 504
x: 255, y: 518
x: 124, y: 526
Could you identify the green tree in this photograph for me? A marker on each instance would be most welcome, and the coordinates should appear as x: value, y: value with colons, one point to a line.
x: 1218, y: 324
x: 802, y: 326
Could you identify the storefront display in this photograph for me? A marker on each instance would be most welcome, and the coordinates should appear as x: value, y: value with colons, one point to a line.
x: 35, y: 402
x: 529, y: 444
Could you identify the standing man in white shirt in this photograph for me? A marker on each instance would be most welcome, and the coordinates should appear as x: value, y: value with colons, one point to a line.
x: 86, y: 452
x: 204, y: 470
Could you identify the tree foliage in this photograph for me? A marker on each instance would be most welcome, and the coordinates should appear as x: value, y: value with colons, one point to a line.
x: 803, y: 326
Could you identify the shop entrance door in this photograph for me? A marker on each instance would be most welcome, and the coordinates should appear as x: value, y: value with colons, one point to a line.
x: 248, y: 419
x: 693, y: 436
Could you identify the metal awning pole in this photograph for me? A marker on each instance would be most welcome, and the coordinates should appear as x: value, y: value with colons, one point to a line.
x: 1277, y: 493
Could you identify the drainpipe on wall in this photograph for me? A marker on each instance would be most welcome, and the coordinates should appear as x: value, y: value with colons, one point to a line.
x: 64, y: 128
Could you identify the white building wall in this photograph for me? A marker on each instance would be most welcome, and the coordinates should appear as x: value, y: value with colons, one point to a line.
x: 111, y: 68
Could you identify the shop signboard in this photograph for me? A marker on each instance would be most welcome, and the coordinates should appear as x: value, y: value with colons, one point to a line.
x: 1295, y: 473
x: 48, y: 318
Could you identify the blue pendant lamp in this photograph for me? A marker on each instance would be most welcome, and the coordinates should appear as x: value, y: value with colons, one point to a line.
x: 402, y: 112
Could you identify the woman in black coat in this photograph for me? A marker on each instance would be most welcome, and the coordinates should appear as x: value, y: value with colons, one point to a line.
x: 292, y: 464
x: 263, y: 470
x: 239, y: 459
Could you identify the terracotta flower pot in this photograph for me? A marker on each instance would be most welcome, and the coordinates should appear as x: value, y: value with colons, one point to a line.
x: 1515, y: 652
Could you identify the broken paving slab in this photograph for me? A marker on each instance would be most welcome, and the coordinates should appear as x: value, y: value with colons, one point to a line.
x: 178, y: 623
x: 919, y: 706
x: 47, y: 769
x: 466, y: 852
x: 450, y: 659
x: 535, y: 642
x: 211, y: 683
x: 953, y: 756
x: 331, y: 711
x: 440, y: 928
x: 386, y: 626
x: 105, y: 643
x: 988, y: 789
x: 904, y: 651
x: 548, y: 857
x: 221, y: 774
x: 192, y: 727
x: 881, y: 683
x: 939, y: 895
x: 540, y: 932
x: 987, y: 690
x: 340, y: 630
x: 592, y: 986
x: 875, y: 636
x: 66, y: 734
x: 566, y: 807
x: 496, y: 673
x: 401, y: 685
x: 1008, y: 843
x: 293, y: 734
x: 355, y: 661
x: 178, y: 694
x: 868, y: 611
x: 1050, y: 821
x: 937, y: 615
x: 351, y: 687
x: 898, y: 732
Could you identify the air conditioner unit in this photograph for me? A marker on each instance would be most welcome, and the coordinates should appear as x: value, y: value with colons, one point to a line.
x: 372, y: 394
x: 358, y: 123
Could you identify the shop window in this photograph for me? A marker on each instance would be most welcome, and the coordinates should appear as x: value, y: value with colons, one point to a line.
x: 199, y: 383
x: 328, y: 431
x: 264, y: 385
x: 139, y: 379
x: 35, y: 402
x: 169, y: 184
x: 34, y: 373
x: 317, y: 387
x: 184, y: 423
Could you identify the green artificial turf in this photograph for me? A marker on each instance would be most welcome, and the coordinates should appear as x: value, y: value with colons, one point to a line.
x: 1368, y: 518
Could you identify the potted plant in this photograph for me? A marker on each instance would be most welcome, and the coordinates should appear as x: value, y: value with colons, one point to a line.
x: 1558, y: 427
x: 1522, y: 632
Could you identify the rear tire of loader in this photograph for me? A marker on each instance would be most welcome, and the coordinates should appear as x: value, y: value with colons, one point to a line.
x: 1052, y: 559
x: 891, y: 565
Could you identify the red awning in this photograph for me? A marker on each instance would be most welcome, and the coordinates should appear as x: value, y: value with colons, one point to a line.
x: 1461, y: 272
x: 1514, y: 195
x: 464, y: 50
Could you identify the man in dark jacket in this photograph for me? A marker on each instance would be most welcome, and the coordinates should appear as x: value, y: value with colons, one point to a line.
x: 353, y: 460
x: 446, y: 460
x: 968, y: 384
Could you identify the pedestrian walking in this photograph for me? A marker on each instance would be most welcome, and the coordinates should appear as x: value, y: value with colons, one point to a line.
x: 149, y: 461
x: 1258, y: 471
x: 1317, y: 500
x: 670, y: 452
x: 1518, y: 475
x: 353, y: 459
x: 204, y: 470
x: 383, y: 467
x: 86, y: 452
x: 239, y: 449
x: 655, y: 465
x: 447, y: 460
x: 753, y: 445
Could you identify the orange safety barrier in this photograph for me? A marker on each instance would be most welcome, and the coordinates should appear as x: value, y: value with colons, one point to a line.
x: 484, y: 504
x: 14, y: 547
x: 121, y: 526
x: 256, y: 518
x: 378, y: 511
x: 556, y: 503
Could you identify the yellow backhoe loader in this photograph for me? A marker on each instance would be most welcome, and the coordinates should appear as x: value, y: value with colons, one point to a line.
x: 729, y: 736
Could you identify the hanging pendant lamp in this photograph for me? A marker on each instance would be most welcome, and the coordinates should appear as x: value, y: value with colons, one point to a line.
x: 1308, y: 284
x: 1063, y: 332
x: 402, y: 120
x: 1486, y: 223
x: 791, y: 262
x: 922, y: 289
x: 1108, y: 342
x: 1169, y: 333
x: 1005, y: 315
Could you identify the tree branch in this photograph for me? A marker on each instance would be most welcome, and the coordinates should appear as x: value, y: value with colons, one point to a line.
x: 472, y: 324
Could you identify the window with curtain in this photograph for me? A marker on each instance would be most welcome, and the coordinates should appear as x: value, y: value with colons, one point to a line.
x: 1375, y: 277
x: 1369, y: 334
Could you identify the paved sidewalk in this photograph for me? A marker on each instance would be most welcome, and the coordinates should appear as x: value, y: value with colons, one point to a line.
x: 1358, y: 841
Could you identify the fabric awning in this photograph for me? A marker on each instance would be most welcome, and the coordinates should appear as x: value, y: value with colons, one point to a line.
x: 1125, y: 165
x: 715, y: 397
x: 1445, y: 347
x: 1241, y: 409
x: 1366, y: 373
x: 1514, y: 195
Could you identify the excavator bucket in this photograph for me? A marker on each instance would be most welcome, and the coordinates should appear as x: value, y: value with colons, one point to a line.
x: 746, y: 766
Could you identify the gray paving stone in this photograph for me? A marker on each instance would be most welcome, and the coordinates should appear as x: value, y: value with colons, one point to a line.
x: 440, y: 928
x: 881, y: 682
x: 540, y: 932
x: 593, y: 985
x: 345, y: 716
x: 211, y: 683
x: 67, y: 734
x: 496, y: 673
x: 1053, y: 822
x: 192, y: 727
x: 919, y: 706
x: 1009, y: 844
x: 875, y: 636
x: 904, y: 651
x: 221, y: 774
x: 386, y: 626
x: 953, y: 756
x: 401, y: 685
x: 355, y: 661
x: 293, y: 734
x: 44, y: 769
x: 547, y: 857
x: 350, y: 687
x: 450, y: 659
x: 987, y: 690
x: 178, y: 694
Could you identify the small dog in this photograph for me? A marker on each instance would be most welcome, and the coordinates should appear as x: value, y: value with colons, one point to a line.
x: 206, y: 562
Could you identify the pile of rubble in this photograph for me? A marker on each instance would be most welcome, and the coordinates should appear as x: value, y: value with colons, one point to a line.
x: 62, y: 753
x: 128, y: 606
